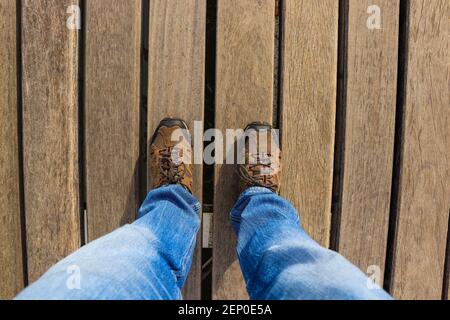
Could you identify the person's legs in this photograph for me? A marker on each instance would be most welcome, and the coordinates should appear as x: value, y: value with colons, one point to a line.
x: 280, y: 261
x: 149, y: 259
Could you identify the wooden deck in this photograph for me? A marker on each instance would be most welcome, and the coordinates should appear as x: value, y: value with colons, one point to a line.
x: 364, y: 115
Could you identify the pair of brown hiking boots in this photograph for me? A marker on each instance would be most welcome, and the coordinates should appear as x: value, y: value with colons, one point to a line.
x: 171, y: 155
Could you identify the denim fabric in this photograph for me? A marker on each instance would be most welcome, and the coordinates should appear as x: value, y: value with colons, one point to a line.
x: 150, y: 259
x: 280, y: 261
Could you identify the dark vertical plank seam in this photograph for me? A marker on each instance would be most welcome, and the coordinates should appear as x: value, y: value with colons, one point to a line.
x: 341, y: 105
x: 282, y: 28
x: 21, y: 148
x: 209, y: 123
x: 403, y: 40
x: 143, y: 125
x: 446, y: 280
x: 278, y: 56
x: 210, y: 93
x: 81, y: 124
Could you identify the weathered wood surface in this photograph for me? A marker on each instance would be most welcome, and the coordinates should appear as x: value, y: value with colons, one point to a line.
x: 371, y: 92
x: 50, y: 133
x: 244, y: 93
x: 11, y: 264
x: 112, y: 103
x: 112, y: 126
x: 176, y: 84
x: 424, y: 200
x: 309, y: 75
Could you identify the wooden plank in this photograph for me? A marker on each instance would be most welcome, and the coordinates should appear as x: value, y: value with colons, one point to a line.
x: 50, y: 132
x: 244, y: 93
x: 425, y: 173
x: 309, y: 75
x: 372, y: 56
x: 112, y: 103
x: 176, y: 83
x: 11, y: 267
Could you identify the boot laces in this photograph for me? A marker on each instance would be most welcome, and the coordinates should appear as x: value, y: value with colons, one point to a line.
x: 261, y: 168
x: 172, y: 170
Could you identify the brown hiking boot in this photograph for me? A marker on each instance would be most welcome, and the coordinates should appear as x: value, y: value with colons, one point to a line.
x: 262, y: 167
x: 171, y: 160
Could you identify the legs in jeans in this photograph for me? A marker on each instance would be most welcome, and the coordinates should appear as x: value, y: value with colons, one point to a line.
x: 149, y: 259
x: 280, y: 261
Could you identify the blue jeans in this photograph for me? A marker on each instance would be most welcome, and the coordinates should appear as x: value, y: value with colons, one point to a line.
x: 150, y: 259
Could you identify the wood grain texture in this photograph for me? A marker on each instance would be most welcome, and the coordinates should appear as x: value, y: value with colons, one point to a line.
x: 176, y: 83
x: 309, y: 75
x: 112, y: 103
x: 425, y: 174
x: 11, y: 264
x: 372, y: 57
x: 244, y: 93
x: 50, y: 133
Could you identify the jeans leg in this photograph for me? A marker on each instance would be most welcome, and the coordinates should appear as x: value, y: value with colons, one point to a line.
x: 280, y: 261
x: 149, y: 259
